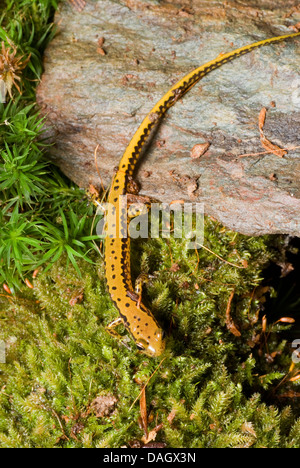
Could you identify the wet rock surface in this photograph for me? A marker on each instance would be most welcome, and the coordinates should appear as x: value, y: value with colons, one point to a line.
x: 109, y: 64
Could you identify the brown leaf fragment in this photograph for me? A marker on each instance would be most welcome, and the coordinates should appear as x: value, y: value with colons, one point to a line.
x: 262, y: 118
x: 199, y: 149
x: 101, y: 51
x: 274, y: 149
x: 101, y: 41
x: 143, y: 413
x: 268, y: 145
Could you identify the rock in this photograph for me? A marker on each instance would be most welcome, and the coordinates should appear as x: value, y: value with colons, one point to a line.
x: 92, y: 97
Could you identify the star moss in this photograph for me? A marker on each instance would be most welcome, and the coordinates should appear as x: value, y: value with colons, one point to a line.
x: 214, y: 388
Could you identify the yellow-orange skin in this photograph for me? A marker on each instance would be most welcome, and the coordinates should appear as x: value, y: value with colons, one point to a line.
x: 137, y: 319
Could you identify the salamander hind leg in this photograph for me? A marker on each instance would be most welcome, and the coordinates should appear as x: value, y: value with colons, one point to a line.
x: 142, y: 279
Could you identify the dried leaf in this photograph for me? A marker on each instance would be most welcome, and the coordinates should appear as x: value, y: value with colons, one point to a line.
x: 198, y: 150
x: 262, y: 118
x: 101, y: 51
x: 101, y: 41
x: 143, y: 412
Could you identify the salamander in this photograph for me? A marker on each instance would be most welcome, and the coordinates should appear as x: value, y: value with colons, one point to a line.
x: 133, y: 314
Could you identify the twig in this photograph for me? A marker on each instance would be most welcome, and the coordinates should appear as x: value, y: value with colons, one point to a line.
x: 223, y: 260
x: 266, y: 152
x: 146, y: 384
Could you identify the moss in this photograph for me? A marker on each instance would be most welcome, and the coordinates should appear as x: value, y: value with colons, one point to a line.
x: 213, y: 389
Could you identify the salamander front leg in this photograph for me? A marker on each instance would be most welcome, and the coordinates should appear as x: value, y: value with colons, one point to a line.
x: 110, y: 328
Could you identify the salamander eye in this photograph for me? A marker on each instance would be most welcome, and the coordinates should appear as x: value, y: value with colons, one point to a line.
x: 140, y: 347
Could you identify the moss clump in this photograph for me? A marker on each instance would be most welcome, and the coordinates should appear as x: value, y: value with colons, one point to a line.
x: 218, y: 385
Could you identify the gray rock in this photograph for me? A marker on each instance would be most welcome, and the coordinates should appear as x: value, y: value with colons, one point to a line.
x: 98, y: 93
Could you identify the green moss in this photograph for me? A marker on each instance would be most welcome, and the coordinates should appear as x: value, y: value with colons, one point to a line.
x: 224, y: 380
x: 213, y: 389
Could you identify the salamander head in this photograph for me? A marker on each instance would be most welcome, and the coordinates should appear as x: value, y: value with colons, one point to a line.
x: 154, y: 346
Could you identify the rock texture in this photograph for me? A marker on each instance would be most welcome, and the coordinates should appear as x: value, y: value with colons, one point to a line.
x: 109, y: 64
